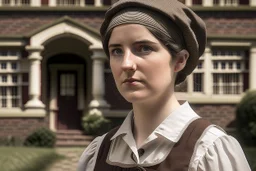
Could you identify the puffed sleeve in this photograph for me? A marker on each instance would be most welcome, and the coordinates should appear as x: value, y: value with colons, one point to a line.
x: 225, y: 154
x: 89, y: 156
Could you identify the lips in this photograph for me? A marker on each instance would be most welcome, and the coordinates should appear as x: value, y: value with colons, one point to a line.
x: 131, y: 80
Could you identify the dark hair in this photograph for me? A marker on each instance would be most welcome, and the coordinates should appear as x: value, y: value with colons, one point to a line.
x: 181, y: 76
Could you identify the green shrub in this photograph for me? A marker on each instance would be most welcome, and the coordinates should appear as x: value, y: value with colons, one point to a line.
x: 246, y: 118
x: 42, y: 137
x: 95, y: 124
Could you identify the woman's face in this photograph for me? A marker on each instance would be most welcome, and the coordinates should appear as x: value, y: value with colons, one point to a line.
x: 142, y: 67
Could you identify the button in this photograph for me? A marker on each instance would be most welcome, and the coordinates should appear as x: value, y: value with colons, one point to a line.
x: 141, y: 152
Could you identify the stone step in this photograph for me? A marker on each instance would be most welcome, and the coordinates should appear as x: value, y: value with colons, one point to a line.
x: 61, y: 143
x: 72, y: 138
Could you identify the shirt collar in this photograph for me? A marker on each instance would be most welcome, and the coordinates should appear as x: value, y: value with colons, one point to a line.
x: 176, y: 123
x: 171, y: 128
x: 126, y: 126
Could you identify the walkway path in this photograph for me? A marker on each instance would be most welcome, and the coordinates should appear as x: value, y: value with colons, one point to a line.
x: 70, y: 162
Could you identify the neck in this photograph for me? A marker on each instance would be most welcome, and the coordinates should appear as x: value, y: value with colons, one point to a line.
x: 148, y: 116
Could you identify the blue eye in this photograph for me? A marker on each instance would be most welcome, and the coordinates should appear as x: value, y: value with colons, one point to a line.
x: 116, y: 52
x: 145, y: 49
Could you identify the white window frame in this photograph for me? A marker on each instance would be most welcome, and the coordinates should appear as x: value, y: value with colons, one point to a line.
x: 9, y: 58
x: 207, y: 95
x: 15, y: 2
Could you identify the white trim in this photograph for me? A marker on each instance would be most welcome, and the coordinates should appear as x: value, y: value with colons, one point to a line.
x: 227, y: 44
x: 35, y: 3
x: 201, y: 98
x: 188, y: 3
x: 64, y: 28
x: 252, y: 3
x: 207, y: 75
x: 252, y: 67
x: 4, y: 43
x: 11, y: 113
x: 52, y: 3
x: 54, y: 68
x: 98, y: 3
x: 207, y: 3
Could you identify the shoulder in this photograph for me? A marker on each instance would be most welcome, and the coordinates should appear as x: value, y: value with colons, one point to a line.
x: 216, y: 150
x: 89, y: 156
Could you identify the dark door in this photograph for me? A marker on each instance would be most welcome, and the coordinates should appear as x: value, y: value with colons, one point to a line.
x: 68, y: 115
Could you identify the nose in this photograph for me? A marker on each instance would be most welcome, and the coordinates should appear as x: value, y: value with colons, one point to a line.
x: 128, y: 63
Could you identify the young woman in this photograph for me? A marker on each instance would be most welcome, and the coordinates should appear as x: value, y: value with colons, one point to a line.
x: 152, y: 46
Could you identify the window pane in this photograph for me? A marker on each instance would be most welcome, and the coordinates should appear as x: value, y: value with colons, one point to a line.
x: 198, y: 82
x: 4, y: 103
x: 3, y: 53
x: 4, y: 65
x: 14, y: 65
x: 3, y: 91
x: 14, y: 91
x: 4, y: 79
x: 14, y: 78
x: 15, y: 102
x: 228, y: 83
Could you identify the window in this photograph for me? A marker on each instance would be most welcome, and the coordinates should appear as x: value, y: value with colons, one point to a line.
x: 10, y: 79
x: 197, y: 2
x: 230, y: 2
x: 229, y: 70
x: 67, y: 85
x: 15, y: 2
x: 198, y: 76
x: 3, y: 66
x: 198, y: 82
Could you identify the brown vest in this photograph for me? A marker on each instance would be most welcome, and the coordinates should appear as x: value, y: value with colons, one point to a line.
x: 177, y: 160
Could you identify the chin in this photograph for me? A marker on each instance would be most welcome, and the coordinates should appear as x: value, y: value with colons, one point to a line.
x: 134, y: 97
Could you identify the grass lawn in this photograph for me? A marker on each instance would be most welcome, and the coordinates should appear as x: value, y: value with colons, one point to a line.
x: 251, y: 157
x: 26, y: 159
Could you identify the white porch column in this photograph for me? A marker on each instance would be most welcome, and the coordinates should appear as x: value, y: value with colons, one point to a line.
x: 208, y: 84
x: 98, y: 83
x: 190, y: 84
x: 52, y: 3
x: 252, y: 3
x: 98, y: 3
x: 208, y: 3
x: 188, y: 3
x: 221, y: 2
x: 252, y: 72
x: 34, y: 77
x: 35, y: 3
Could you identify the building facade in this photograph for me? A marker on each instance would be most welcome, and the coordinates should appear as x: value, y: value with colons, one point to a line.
x: 53, y: 70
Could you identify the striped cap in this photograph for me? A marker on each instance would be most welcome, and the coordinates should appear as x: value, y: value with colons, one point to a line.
x: 190, y: 25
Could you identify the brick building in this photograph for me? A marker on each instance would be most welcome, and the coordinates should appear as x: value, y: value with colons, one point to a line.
x: 53, y: 69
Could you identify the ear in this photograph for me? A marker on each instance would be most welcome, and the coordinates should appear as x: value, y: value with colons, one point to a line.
x: 181, y: 60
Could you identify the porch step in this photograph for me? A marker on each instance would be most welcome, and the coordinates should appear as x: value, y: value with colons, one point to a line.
x: 72, y: 138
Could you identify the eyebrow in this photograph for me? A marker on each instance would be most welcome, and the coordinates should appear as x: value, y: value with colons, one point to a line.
x: 137, y: 42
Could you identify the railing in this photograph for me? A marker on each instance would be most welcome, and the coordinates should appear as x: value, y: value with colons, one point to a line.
x: 226, y: 2
x: 96, y: 3
x: 14, y: 2
x: 56, y: 2
x: 209, y: 3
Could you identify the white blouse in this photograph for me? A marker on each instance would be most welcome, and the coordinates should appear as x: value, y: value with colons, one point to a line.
x: 214, y: 151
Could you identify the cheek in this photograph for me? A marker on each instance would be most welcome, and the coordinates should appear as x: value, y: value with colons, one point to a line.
x: 115, y: 68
